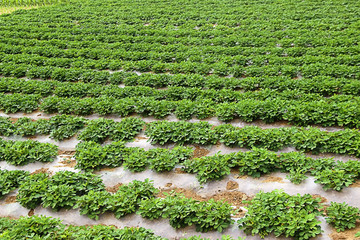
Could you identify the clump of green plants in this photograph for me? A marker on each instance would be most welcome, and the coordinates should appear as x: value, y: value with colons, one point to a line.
x: 342, y: 216
x: 10, y: 180
x: 206, y: 216
x: 283, y: 215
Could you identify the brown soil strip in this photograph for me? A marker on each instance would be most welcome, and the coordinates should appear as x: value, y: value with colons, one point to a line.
x: 355, y: 184
x: 114, y: 189
x: 241, y: 177
x: 11, y: 199
x: 63, y: 152
x: 41, y: 170
x: 187, y: 193
x: 200, y: 152
x: 235, y: 198
x: 323, y: 200
x: 137, y: 139
x: 231, y: 185
x: 68, y: 162
x: 347, y: 234
x: 107, y: 169
x: 273, y: 179
x: 31, y: 212
x: 14, y: 120
x: 179, y: 171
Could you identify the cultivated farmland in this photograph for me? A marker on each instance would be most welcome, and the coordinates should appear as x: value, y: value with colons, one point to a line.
x: 159, y: 119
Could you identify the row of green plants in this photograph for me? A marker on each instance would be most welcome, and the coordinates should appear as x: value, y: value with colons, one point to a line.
x: 92, y: 156
x: 23, y: 152
x: 18, y: 3
x: 11, y: 69
x: 172, y: 93
x: 85, y: 191
x: 339, y: 110
x: 267, y: 212
x: 217, y: 44
x: 330, y: 173
x: 42, y: 227
x: 115, y: 58
x: 152, y: 40
x: 309, y: 139
x: 11, y: 180
x: 61, y: 127
x: 295, y: 216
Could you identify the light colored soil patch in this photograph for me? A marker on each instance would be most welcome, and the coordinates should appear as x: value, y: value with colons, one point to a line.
x: 64, y: 152
x: 41, y: 170
x: 346, y: 235
x: 273, y: 179
x: 187, y: 193
x: 11, y: 199
x: 68, y: 162
x: 4, y: 10
x: 231, y: 185
x: 323, y: 200
x: 179, y: 171
x: 114, y: 189
x: 234, y: 198
x: 31, y: 212
x: 139, y: 138
x: 355, y: 184
x: 200, y: 152
x: 241, y: 177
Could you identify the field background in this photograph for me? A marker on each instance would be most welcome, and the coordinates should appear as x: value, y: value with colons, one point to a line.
x: 283, y: 63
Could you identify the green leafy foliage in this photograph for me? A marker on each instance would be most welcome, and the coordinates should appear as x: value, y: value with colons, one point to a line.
x: 37, y: 227
x: 60, y: 191
x: 10, y: 180
x: 257, y: 162
x: 162, y: 132
x: 24, y: 152
x: 127, y: 199
x: 182, y: 212
x: 226, y: 237
x: 94, y: 203
x: 136, y: 160
x: 208, y: 168
x: 342, y: 216
x: 92, y: 156
x: 282, y: 214
x: 42, y: 227
x: 100, y: 129
x: 32, y: 190
x: 335, y: 179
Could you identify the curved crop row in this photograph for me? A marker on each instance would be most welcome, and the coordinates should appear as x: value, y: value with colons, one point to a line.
x: 92, y: 156
x: 339, y: 110
x: 294, y: 216
x: 48, y: 227
x: 324, y: 86
x: 12, y: 69
x: 11, y: 180
x: 86, y: 191
x: 62, y: 127
x: 305, y: 139
x: 42, y: 227
x: 328, y: 172
x: 24, y: 152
